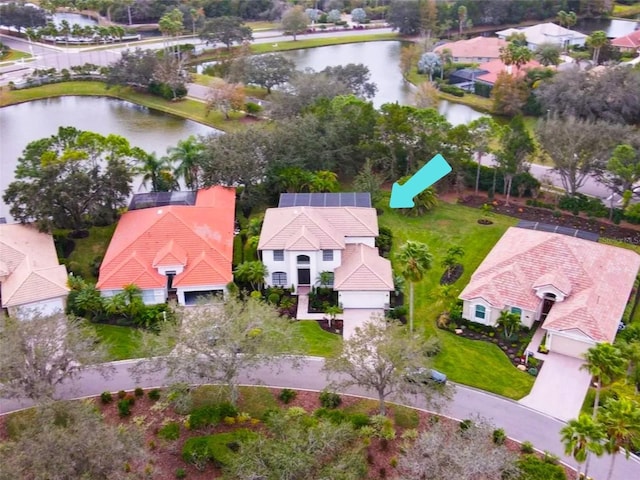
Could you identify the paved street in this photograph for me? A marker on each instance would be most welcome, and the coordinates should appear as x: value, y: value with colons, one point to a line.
x: 520, y: 422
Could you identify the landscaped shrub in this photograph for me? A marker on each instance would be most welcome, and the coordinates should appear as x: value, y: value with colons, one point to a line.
x: 124, y: 407
x: 138, y: 392
x: 384, y: 241
x: 215, y: 448
x: 181, y: 473
x: 154, y: 394
x: 499, y: 436
x: 121, y: 394
x: 329, y: 399
x: 450, y: 89
x: 359, y: 420
x: 526, y: 447
x: 106, y: 397
x: 532, y: 468
x: 405, y: 417
x: 287, y: 395
x: 334, y: 416
x: 252, y: 108
x: 171, y: 431
x: 533, y: 371
x: 466, y: 424
x: 273, y: 298
x: 211, y: 415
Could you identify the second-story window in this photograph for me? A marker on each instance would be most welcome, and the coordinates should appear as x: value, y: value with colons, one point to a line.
x: 278, y: 255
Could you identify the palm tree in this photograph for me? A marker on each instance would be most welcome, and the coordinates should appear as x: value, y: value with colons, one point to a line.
x: 605, y: 363
x: 454, y: 254
x: 155, y: 170
x: 483, y: 130
x: 510, y: 322
x: 188, y: 155
x: 580, y: 437
x: 462, y: 18
x: 252, y: 273
x: 548, y: 54
x: 446, y: 57
x: 620, y: 419
x: 596, y: 41
x: 415, y: 259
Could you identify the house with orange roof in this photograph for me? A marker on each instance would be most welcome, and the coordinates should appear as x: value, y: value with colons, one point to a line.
x: 474, y: 50
x: 182, y: 252
x: 493, y: 68
x: 297, y: 243
x: 628, y: 43
x: 31, y: 279
x: 576, y: 289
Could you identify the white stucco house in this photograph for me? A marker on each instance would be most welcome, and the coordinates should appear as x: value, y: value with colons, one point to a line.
x: 31, y: 279
x: 541, y: 33
x: 181, y: 252
x: 577, y: 289
x: 297, y: 243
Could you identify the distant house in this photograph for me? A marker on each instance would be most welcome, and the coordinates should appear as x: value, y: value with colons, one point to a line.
x: 495, y: 67
x: 297, y: 243
x: 474, y: 50
x: 182, y: 252
x: 549, y: 32
x: 31, y: 279
x: 628, y: 43
x: 577, y: 289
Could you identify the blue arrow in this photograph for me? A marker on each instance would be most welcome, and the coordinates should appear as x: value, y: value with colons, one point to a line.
x: 430, y: 173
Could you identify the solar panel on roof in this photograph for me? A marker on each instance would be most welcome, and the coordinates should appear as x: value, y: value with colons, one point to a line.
x: 344, y: 199
x: 161, y: 199
x: 571, y: 232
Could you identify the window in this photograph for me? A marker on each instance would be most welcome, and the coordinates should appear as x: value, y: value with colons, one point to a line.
x: 279, y: 279
x: 327, y: 255
x: 278, y: 255
x: 148, y: 296
x: 303, y: 260
x: 517, y: 311
x: 480, y: 311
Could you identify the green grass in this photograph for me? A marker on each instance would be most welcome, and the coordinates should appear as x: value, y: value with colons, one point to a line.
x: 626, y: 11
x: 475, y: 363
x: 190, y: 109
x: 88, y: 249
x: 256, y: 401
x: 122, y: 342
x: 320, y: 42
x: 315, y: 340
x: 13, y: 55
x: 262, y: 25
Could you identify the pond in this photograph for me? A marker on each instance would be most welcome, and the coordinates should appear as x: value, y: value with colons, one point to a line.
x: 382, y: 58
x: 150, y: 130
x: 614, y: 28
x: 73, y: 18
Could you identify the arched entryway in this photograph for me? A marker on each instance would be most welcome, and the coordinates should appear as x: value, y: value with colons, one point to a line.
x: 547, y: 302
x: 304, y: 270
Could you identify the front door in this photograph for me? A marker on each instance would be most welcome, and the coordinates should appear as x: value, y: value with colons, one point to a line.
x: 304, y: 276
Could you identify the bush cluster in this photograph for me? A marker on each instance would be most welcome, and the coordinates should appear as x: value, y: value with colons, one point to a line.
x: 452, y: 90
x: 287, y: 395
x: 211, y: 414
x: 523, y: 185
x: 170, y: 431
x: 329, y: 399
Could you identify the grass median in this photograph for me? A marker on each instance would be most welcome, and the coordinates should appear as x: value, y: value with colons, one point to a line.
x: 186, y: 108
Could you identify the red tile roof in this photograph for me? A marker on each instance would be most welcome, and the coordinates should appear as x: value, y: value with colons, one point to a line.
x: 628, y: 41
x: 597, y: 279
x: 200, y: 237
x: 495, y: 67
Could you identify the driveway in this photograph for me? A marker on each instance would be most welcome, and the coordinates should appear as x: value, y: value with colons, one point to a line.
x: 560, y: 388
x: 355, y: 317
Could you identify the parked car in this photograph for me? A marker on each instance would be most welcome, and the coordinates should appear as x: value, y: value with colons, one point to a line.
x: 426, y: 375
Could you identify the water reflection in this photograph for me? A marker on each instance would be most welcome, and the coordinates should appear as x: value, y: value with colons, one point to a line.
x: 73, y: 18
x: 150, y: 130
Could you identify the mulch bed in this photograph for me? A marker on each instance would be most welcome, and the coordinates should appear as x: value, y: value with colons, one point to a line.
x: 519, y: 209
x: 451, y: 275
x: 336, y: 326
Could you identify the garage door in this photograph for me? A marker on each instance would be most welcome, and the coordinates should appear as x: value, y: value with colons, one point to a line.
x: 568, y: 346
x: 193, y: 298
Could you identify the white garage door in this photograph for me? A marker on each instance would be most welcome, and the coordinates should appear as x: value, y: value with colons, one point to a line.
x: 568, y: 346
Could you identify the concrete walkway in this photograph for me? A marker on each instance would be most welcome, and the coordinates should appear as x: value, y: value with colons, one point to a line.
x: 560, y: 388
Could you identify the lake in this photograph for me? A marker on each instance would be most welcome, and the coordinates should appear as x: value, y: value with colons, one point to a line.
x: 150, y: 130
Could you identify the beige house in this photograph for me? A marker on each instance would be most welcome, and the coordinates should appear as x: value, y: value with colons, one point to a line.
x: 474, y: 50
x: 298, y: 243
x: 577, y: 289
x: 31, y: 279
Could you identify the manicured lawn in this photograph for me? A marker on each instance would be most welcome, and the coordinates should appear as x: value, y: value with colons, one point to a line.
x: 122, y: 342
x: 261, y: 25
x: 187, y: 108
x: 13, y: 55
x: 475, y: 363
x: 626, y: 11
x: 320, y: 40
x: 88, y: 249
x: 315, y: 340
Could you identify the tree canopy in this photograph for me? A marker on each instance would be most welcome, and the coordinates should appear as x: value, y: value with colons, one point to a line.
x: 227, y: 30
x: 72, y: 180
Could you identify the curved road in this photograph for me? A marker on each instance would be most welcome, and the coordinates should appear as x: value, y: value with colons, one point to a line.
x: 520, y: 423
